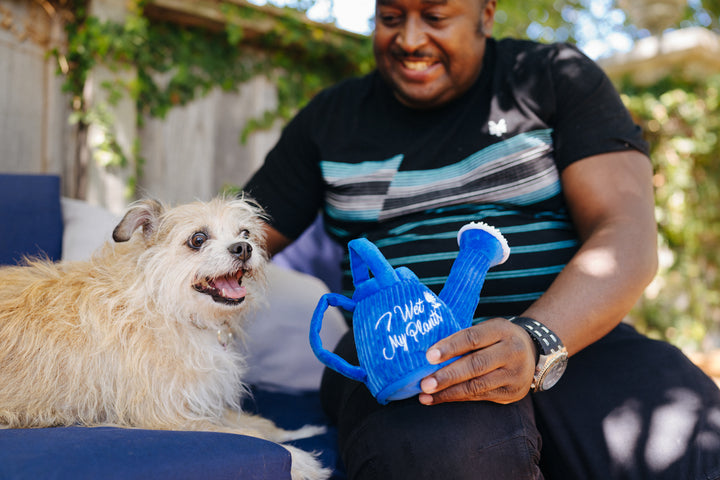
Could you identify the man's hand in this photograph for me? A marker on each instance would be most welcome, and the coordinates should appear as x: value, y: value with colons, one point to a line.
x: 497, y: 364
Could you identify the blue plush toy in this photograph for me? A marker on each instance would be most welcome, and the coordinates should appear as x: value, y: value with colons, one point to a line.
x: 396, y: 318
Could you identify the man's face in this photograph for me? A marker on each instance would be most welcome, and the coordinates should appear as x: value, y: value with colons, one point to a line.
x: 431, y: 51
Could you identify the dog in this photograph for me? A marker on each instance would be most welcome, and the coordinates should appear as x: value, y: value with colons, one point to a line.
x: 142, y: 334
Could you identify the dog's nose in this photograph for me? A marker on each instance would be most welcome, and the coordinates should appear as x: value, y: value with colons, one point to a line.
x: 242, y: 250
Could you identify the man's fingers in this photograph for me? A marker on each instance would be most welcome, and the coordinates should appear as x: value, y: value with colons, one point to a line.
x: 472, y: 365
x: 466, y: 340
x: 491, y: 387
x: 495, y: 362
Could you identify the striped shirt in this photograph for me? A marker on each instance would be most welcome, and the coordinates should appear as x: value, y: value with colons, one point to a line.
x: 409, y: 180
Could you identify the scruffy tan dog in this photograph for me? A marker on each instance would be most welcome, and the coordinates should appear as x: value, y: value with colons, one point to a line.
x: 141, y: 335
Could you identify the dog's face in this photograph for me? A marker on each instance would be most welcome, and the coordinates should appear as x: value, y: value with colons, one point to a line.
x: 205, y: 258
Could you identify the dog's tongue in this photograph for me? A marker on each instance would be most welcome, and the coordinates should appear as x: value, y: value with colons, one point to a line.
x: 230, y: 288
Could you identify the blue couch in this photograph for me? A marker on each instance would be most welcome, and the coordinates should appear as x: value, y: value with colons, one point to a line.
x: 31, y: 222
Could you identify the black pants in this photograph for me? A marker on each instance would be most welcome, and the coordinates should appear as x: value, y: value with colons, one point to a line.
x: 627, y: 408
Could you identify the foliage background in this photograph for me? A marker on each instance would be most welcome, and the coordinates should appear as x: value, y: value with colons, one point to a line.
x: 681, y: 121
x: 680, y: 117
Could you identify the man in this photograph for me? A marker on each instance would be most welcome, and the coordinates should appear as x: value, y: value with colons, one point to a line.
x: 455, y: 126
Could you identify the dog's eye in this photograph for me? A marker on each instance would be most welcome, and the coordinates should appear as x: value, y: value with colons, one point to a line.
x: 197, y: 240
x: 245, y: 234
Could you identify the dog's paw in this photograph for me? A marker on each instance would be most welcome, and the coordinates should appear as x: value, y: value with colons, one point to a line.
x: 305, y: 466
x: 303, y: 432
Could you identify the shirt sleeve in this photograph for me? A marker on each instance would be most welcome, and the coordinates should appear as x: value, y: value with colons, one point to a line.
x: 289, y: 184
x: 590, y: 118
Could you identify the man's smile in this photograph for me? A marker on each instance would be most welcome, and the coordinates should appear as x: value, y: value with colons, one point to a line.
x: 418, y: 65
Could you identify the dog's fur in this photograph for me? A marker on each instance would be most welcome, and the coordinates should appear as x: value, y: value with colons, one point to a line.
x: 141, y: 334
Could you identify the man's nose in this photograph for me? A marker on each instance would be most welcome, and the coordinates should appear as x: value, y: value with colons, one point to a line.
x: 412, y: 35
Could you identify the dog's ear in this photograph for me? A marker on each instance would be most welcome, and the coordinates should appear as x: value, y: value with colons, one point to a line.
x: 145, y: 214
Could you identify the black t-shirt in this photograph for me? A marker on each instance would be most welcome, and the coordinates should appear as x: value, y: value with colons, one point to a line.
x: 409, y: 179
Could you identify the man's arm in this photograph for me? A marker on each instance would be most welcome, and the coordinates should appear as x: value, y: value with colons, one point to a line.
x: 610, y: 199
x: 275, y: 241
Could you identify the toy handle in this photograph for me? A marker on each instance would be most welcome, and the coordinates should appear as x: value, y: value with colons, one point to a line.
x: 365, y: 257
x: 328, y: 358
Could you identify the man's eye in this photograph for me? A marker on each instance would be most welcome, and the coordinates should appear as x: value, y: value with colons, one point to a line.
x: 389, y: 19
x: 432, y: 18
x: 197, y: 240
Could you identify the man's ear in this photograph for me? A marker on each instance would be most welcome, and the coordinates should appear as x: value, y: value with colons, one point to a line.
x: 487, y: 18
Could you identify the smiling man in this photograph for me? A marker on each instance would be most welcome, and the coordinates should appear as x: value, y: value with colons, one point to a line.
x: 455, y: 126
x: 433, y: 54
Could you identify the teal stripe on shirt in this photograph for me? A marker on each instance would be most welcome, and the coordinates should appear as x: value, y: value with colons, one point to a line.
x: 495, y: 152
x: 338, y: 170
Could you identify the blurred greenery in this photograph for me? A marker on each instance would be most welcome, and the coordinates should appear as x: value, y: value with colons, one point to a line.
x: 681, y: 120
x: 581, y: 20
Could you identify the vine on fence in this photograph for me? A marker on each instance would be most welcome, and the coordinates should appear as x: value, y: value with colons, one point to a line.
x: 175, y: 64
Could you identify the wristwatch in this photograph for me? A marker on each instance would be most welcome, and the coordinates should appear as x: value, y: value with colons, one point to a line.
x: 553, y: 357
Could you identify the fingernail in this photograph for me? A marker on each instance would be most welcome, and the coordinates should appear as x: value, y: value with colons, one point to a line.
x: 433, y: 355
x: 428, y: 385
x: 426, y: 399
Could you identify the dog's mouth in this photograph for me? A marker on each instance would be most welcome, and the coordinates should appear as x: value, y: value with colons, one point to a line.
x: 225, y: 289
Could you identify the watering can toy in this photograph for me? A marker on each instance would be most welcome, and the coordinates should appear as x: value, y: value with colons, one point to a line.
x: 396, y: 318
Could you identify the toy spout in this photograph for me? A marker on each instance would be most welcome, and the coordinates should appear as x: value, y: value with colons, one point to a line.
x: 481, y: 247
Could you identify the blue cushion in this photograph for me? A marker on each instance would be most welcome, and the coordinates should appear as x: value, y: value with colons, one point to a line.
x: 291, y: 411
x: 109, y: 453
x: 30, y: 217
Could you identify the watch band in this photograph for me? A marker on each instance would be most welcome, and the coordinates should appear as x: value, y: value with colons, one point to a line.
x: 544, y: 338
x: 552, y: 354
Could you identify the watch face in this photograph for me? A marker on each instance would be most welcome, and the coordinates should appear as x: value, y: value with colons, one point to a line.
x: 554, y: 367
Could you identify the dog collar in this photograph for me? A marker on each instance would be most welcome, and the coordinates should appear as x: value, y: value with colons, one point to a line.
x: 224, y: 334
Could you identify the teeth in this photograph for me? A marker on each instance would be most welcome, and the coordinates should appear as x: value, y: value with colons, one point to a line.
x: 417, y: 65
x: 222, y: 285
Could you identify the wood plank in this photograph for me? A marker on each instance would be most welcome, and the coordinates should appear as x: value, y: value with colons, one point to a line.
x: 209, y: 14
